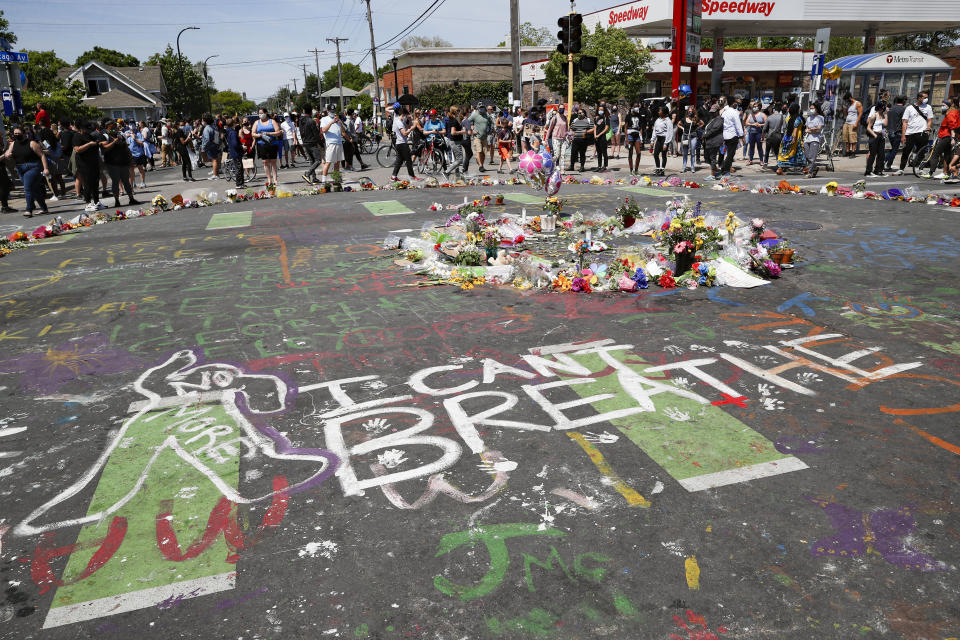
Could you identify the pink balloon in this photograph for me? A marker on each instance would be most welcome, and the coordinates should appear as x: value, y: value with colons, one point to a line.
x: 554, y: 182
x: 530, y: 163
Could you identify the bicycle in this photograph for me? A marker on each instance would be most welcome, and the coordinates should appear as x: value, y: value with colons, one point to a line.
x: 919, y: 160
x: 366, y: 143
x: 386, y: 155
x: 430, y: 158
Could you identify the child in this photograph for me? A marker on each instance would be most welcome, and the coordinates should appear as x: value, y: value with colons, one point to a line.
x: 504, y: 146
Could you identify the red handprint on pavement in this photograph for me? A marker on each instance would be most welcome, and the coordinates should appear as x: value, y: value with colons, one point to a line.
x: 691, y: 625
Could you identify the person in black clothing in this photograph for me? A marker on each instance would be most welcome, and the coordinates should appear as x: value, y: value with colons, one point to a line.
x: 181, y: 138
x: 601, y: 127
x: 894, y: 130
x: 581, y: 127
x: 117, y: 158
x: 86, y: 145
x: 310, y: 140
x: 234, y: 152
x: 5, y: 183
x: 31, y: 163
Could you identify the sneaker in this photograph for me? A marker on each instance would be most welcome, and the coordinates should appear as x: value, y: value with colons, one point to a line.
x: 939, y: 176
x: 925, y: 174
x: 307, y: 178
x: 90, y: 208
x: 952, y: 180
x: 100, y: 205
x: 898, y: 172
x: 418, y: 179
x: 7, y: 210
x: 869, y: 175
x: 711, y: 178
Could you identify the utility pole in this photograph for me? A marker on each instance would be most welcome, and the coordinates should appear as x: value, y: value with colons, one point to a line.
x: 376, y: 74
x: 515, y: 50
x: 316, y: 59
x: 306, y: 95
x: 336, y: 42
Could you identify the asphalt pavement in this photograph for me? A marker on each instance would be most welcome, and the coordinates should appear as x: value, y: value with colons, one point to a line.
x: 245, y: 421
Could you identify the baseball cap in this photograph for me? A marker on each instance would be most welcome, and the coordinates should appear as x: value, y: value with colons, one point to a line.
x: 396, y: 105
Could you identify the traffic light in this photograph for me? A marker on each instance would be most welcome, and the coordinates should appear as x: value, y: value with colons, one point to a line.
x: 570, y: 33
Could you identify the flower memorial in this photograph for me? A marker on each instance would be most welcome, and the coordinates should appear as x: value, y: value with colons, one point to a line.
x: 680, y: 246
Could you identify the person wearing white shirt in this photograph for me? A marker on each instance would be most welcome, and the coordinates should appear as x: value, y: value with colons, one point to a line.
x: 732, y: 133
x: 166, y: 145
x: 332, y: 130
x: 917, y: 120
x: 289, y: 140
x: 662, y: 129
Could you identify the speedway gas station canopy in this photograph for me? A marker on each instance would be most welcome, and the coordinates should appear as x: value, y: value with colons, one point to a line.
x: 650, y: 18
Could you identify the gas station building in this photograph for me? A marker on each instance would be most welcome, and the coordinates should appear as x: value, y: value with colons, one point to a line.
x: 653, y: 22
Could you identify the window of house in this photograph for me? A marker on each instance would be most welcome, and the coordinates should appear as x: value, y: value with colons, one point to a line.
x: 116, y: 114
x: 96, y: 86
x: 406, y: 89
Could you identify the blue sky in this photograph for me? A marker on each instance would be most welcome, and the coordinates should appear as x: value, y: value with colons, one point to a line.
x: 254, y: 31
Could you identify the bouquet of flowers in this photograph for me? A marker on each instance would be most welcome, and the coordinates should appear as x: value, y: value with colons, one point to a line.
x: 491, y: 238
x: 159, y: 202
x: 687, y: 235
x: 470, y: 255
x: 757, y: 226
x: 474, y: 220
x: 628, y: 212
x: 414, y: 255
x: 553, y: 205
x: 534, y: 224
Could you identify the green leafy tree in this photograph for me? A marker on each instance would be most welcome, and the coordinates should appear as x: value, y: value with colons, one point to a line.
x: 442, y: 96
x: 363, y: 103
x: 353, y: 77
x: 531, y: 36
x: 311, y: 90
x: 385, y: 69
x: 930, y: 41
x: 62, y: 102
x: 620, y: 73
x: 41, y: 71
x: 5, y: 32
x: 110, y: 57
x: 840, y: 46
x: 231, y: 102
x: 187, y: 97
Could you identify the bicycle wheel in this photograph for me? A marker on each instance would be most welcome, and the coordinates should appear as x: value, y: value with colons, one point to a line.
x: 386, y: 156
x: 437, y: 163
x: 367, y: 145
x: 917, y: 163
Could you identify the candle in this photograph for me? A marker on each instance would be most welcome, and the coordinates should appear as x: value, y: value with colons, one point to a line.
x: 523, y: 217
x: 589, y: 234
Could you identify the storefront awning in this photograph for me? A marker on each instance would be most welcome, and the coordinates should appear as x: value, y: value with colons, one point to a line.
x: 890, y: 61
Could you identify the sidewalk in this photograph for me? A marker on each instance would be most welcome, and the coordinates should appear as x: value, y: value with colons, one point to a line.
x: 169, y: 183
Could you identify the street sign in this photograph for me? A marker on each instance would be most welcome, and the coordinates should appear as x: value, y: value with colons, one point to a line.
x: 7, y: 103
x: 376, y: 101
x: 14, y: 56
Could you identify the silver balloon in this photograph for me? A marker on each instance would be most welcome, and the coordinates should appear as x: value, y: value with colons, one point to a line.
x: 554, y: 182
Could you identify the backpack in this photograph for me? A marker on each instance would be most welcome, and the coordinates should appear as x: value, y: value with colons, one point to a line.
x: 714, y: 128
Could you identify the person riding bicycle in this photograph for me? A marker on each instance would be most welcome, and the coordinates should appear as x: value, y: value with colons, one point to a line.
x: 917, y: 119
x: 434, y: 129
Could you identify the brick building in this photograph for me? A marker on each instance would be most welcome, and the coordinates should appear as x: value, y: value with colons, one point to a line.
x: 418, y: 68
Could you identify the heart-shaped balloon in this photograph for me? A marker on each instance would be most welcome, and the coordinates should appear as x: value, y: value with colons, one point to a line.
x: 554, y: 182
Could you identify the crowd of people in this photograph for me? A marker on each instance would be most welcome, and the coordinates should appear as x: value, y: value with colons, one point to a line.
x: 105, y: 157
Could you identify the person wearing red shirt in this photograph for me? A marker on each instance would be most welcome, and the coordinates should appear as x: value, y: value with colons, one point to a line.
x: 43, y: 118
x: 949, y: 129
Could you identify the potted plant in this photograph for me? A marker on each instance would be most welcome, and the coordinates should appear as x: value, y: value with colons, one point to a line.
x: 499, y: 198
x: 336, y: 179
x: 628, y: 212
x: 782, y: 253
x: 470, y: 255
x: 687, y: 235
x: 491, y: 241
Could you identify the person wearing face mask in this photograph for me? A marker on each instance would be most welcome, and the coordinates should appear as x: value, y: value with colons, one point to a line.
x: 755, y: 121
x: 850, y: 122
x: 661, y: 132
x: 601, y: 127
x: 772, y: 134
x: 791, y: 154
x: 634, y: 125
x: 877, y: 132
x: 31, y: 162
x: 557, y: 134
x: 181, y: 142
x: 581, y: 128
x: 948, y: 132
x: 813, y: 139
x: 689, y: 138
x: 917, y: 119
x: 615, y: 126
x: 266, y: 132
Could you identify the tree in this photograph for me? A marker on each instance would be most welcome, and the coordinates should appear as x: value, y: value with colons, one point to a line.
x: 188, y: 97
x: 5, y: 32
x: 840, y: 46
x: 930, y: 42
x: 621, y: 66
x: 531, y: 36
x: 63, y: 102
x: 230, y: 102
x: 363, y: 103
x: 385, y: 69
x: 442, y: 96
x: 41, y: 71
x: 421, y: 42
x: 110, y: 57
x: 353, y: 77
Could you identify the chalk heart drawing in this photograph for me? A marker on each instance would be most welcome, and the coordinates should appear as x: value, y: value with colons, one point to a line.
x: 191, y: 430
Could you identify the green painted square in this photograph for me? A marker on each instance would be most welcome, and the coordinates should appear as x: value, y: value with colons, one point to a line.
x: 524, y: 198
x: 387, y: 208
x: 649, y: 191
x: 230, y: 220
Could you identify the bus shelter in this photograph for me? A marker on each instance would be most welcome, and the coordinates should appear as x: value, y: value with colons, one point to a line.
x: 902, y: 73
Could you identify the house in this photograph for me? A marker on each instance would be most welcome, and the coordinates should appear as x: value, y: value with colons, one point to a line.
x: 131, y: 93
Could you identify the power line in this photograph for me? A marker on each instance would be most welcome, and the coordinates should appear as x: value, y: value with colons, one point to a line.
x: 409, y: 28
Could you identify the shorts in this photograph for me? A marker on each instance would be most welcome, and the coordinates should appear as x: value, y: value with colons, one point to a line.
x: 476, y: 143
x: 849, y: 134
x: 333, y: 153
x: 634, y: 136
x: 212, y: 152
x: 140, y: 161
x: 504, y: 148
x: 267, y: 151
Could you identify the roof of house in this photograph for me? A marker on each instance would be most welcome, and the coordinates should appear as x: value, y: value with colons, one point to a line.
x: 116, y: 99
x: 146, y: 78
